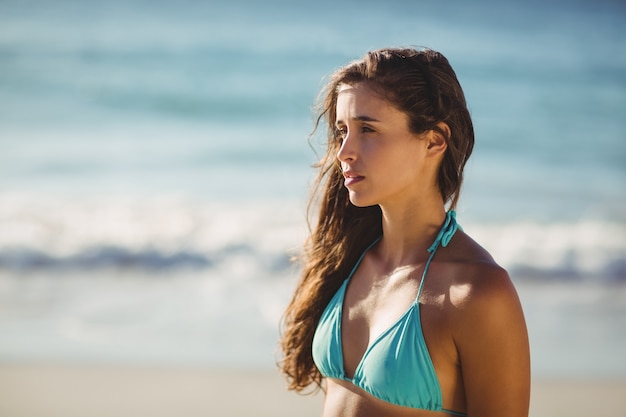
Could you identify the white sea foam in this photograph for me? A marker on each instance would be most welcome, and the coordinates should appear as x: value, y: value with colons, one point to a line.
x: 145, y: 233
x: 582, y: 249
x: 160, y: 234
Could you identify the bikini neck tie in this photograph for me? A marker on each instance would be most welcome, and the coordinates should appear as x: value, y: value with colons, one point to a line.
x: 447, y: 231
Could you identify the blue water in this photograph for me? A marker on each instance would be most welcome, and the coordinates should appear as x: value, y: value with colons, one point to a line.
x: 169, y: 139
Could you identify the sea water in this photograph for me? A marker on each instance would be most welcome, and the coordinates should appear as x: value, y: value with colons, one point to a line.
x: 154, y: 168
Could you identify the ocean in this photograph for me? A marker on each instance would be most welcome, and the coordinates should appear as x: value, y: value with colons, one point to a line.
x: 155, y: 168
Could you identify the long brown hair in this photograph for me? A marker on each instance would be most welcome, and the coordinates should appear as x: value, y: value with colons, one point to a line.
x: 422, y: 84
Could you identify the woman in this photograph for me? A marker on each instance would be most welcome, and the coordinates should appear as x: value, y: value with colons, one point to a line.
x: 399, y: 312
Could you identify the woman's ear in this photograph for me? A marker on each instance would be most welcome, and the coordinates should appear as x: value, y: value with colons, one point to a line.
x: 438, y: 138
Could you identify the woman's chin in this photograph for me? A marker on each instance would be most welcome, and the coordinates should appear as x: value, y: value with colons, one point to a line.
x: 360, y: 201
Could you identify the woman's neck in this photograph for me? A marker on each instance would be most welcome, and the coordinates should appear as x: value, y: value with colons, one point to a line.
x: 409, y: 230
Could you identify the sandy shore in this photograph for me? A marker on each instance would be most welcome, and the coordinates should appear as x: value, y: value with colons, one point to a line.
x: 116, y: 391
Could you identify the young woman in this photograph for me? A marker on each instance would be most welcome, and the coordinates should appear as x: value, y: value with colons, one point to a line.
x: 399, y: 312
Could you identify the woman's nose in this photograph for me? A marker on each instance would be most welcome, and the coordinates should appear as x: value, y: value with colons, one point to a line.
x: 346, y: 151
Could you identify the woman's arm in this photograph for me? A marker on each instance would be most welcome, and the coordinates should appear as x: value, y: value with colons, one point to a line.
x: 492, y: 340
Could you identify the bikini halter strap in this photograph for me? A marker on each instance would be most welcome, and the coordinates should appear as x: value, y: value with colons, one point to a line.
x: 448, y: 230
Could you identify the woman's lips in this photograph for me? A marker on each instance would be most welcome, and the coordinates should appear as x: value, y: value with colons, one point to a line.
x: 352, y: 178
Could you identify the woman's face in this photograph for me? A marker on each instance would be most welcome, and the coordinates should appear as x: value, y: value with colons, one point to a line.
x: 382, y: 161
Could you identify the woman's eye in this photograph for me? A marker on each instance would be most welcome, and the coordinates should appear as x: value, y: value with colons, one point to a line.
x: 342, y: 132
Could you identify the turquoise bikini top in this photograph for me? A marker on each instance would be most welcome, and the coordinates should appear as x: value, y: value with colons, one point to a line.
x: 396, y: 367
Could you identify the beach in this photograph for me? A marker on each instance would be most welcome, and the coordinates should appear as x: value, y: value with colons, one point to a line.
x: 155, y: 164
x: 46, y: 390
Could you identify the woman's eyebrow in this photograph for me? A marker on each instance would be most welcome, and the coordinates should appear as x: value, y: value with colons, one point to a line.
x: 361, y: 119
x: 365, y: 119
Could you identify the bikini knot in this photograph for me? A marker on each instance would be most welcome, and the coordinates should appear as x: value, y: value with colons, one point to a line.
x: 447, y: 231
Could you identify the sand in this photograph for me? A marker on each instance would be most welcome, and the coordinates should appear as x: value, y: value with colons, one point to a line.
x: 29, y: 390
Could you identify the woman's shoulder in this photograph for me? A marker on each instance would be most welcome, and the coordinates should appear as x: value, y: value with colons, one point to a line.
x: 464, y: 248
x: 475, y: 277
x: 488, y: 330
